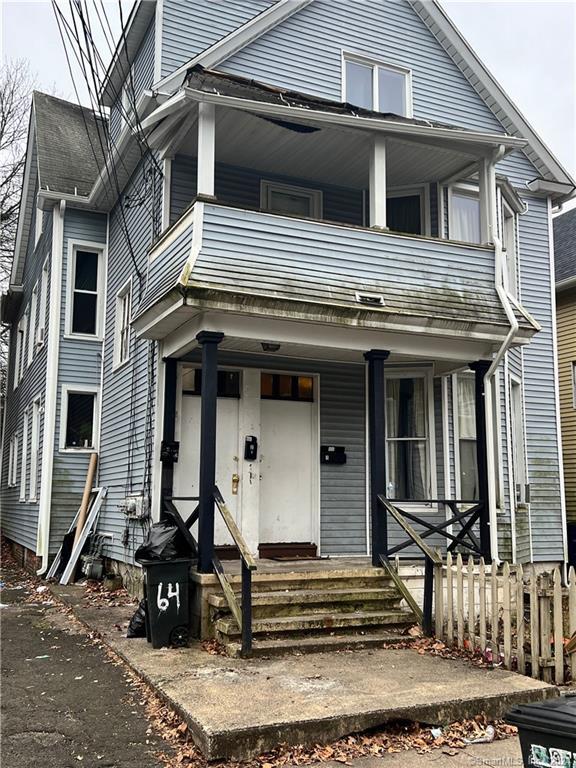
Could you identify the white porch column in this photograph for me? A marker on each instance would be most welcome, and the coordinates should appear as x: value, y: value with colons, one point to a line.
x: 487, y: 195
x: 378, y: 183
x: 166, y: 189
x: 206, y: 149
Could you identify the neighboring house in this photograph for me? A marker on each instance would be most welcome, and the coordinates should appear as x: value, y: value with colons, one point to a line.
x: 565, y: 260
x: 332, y: 200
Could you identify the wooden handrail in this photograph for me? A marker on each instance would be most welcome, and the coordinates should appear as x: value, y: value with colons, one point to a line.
x: 416, y: 538
x: 245, y: 553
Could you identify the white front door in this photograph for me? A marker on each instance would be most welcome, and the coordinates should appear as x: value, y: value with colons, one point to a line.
x: 186, y: 471
x: 288, y: 471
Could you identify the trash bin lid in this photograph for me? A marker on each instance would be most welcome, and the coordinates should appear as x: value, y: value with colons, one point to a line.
x: 553, y: 716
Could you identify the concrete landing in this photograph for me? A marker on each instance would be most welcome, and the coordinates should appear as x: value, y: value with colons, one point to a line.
x: 239, y: 708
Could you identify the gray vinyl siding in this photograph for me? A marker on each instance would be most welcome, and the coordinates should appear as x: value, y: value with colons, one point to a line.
x: 191, y: 26
x: 143, y: 79
x: 539, y: 388
x: 79, y: 364
x: 20, y: 519
x: 126, y: 389
x: 241, y: 186
x: 438, y: 437
x: 279, y: 256
x: 163, y: 271
x: 304, y: 54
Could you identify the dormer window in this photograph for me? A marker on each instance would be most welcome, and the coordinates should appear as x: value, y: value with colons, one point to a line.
x: 377, y: 86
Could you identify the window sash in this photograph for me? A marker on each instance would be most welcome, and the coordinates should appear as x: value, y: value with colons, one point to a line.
x: 376, y: 91
x: 464, y: 218
x: 74, y: 439
x: 79, y: 297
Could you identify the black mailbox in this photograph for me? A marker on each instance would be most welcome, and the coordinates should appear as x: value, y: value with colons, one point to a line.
x: 169, y: 451
x: 332, y: 454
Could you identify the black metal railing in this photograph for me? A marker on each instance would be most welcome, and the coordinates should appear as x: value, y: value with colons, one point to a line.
x: 242, y: 611
x: 465, y: 537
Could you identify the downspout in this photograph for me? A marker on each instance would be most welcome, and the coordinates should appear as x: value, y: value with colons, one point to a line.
x: 51, y: 391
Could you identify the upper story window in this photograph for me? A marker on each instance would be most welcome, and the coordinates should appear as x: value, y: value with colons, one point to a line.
x: 84, y: 298
x: 122, y: 330
x: 465, y: 395
x: 20, y: 356
x: 32, y: 323
x: 40, y: 332
x: 377, y: 86
x: 464, y: 214
x: 127, y: 99
x: 291, y: 200
x: 13, y: 462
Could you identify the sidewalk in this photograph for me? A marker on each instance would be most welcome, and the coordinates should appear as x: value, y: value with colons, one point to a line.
x: 239, y: 708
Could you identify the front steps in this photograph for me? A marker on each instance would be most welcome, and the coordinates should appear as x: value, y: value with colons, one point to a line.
x: 315, y: 611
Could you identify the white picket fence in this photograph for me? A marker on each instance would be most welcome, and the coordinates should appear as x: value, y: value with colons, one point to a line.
x: 522, y: 620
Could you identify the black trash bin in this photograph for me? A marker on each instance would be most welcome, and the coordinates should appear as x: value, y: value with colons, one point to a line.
x: 167, y: 601
x: 547, y: 732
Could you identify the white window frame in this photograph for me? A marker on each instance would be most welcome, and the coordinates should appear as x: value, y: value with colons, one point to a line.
x: 369, y: 61
x: 518, y: 435
x: 34, y: 449
x: 21, y: 338
x: 13, y: 462
x: 40, y: 331
x: 73, y: 247
x: 315, y: 196
x: 457, y: 430
x: 32, y: 324
x: 424, y: 193
x: 126, y: 290
x: 427, y: 375
x: 126, y: 108
x: 24, y: 462
x: 81, y: 389
x: 469, y: 190
x: 511, y: 257
x: 38, y: 225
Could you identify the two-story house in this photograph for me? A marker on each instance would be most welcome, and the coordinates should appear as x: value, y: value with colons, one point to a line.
x: 314, y: 267
x: 565, y: 261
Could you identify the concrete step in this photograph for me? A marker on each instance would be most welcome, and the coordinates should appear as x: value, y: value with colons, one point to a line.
x: 315, y: 622
x: 291, y: 602
x: 353, y: 640
x: 351, y: 578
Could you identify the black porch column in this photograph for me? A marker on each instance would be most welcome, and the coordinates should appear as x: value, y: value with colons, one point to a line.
x: 480, y: 368
x: 209, y: 341
x: 377, y: 444
x: 168, y: 428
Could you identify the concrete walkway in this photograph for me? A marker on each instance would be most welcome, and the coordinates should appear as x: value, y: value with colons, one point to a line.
x: 238, y: 708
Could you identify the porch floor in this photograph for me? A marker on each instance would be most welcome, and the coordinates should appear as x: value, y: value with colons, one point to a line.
x: 238, y: 708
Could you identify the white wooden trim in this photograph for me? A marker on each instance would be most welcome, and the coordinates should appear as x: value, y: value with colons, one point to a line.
x: 88, y: 389
x: 446, y: 437
x: 125, y: 289
x: 50, y: 398
x: 24, y: 459
x: 206, y: 149
x: 87, y: 245
x: 315, y: 196
x: 158, y: 32
x: 166, y: 192
x: 156, y: 488
x: 456, y: 431
x: 32, y: 324
x: 34, y: 449
x: 44, y: 286
x: 374, y: 62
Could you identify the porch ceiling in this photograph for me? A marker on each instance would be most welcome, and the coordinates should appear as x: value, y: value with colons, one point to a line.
x: 333, y: 155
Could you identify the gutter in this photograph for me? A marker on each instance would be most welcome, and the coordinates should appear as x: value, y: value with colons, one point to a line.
x: 566, y: 284
x: 50, y: 393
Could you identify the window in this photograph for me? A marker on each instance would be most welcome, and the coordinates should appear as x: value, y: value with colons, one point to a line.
x: 464, y: 215
x: 127, y: 99
x: 291, y: 200
x: 13, y: 462
x: 406, y: 210
x: 84, y: 311
x: 379, y: 87
x: 32, y: 324
x: 122, y: 331
x: 281, y: 386
x: 42, y: 308
x: 39, y: 225
x: 79, y: 428
x: 24, y: 465
x: 406, y: 438
x: 509, y: 246
x: 20, y: 355
x: 467, y: 483
x: 34, y: 449
x: 228, y: 382
x: 517, y: 436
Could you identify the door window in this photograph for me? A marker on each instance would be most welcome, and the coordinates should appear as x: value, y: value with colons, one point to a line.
x: 406, y: 438
x: 228, y: 382
x: 281, y: 386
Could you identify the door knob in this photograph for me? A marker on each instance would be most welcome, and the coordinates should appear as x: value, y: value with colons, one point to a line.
x: 235, y: 482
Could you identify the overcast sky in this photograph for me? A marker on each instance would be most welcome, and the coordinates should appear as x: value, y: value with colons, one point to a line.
x: 530, y: 47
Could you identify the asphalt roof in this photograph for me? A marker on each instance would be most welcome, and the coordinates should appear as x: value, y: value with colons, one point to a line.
x: 211, y: 81
x: 69, y: 152
x: 565, y: 245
